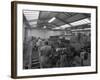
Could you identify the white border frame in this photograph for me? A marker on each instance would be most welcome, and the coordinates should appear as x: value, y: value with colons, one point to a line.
x: 35, y: 72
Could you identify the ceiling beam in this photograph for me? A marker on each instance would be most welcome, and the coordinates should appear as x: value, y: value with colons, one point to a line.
x: 86, y: 16
x: 69, y: 14
x: 80, y: 26
x: 48, y: 23
x: 80, y: 19
x: 33, y: 20
x: 63, y: 21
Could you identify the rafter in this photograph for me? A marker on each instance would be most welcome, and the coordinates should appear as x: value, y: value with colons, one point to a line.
x: 63, y: 21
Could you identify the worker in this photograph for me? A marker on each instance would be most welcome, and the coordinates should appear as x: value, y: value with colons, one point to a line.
x: 45, y: 52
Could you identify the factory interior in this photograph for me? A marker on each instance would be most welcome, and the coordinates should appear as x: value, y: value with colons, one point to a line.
x: 53, y: 39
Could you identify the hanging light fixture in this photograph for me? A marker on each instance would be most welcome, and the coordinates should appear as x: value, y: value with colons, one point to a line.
x: 44, y: 27
x: 51, y: 20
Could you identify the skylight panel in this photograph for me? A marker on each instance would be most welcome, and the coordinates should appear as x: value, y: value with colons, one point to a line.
x: 31, y: 15
x: 65, y: 26
x: 87, y: 20
x: 80, y: 22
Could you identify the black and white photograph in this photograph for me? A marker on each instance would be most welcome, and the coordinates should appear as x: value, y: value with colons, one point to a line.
x: 56, y: 39
x: 53, y: 39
